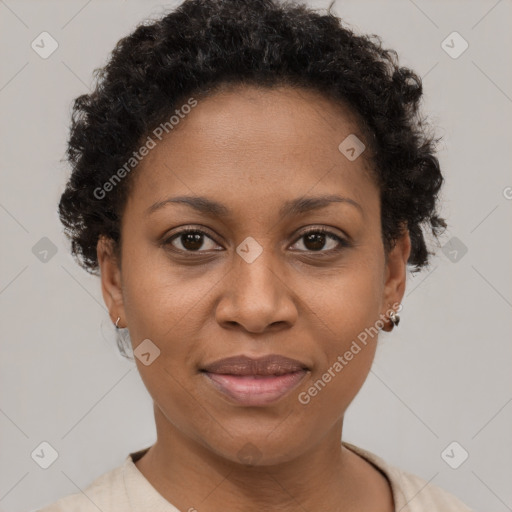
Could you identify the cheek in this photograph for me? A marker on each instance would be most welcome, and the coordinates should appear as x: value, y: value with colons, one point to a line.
x: 347, y: 303
x: 347, y: 337
x: 161, y: 299
x: 170, y: 308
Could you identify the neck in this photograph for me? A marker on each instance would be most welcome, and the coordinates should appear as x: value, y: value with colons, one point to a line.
x: 192, y: 476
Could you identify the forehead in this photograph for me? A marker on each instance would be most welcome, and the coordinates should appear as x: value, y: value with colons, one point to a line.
x: 260, y: 143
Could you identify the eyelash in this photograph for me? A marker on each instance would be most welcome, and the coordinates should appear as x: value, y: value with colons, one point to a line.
x: 343, y: 243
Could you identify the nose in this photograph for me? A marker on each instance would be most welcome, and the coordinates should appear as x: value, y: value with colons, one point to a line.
x: 255, y: 297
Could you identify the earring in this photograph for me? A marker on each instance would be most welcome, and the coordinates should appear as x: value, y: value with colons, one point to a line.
x: 117, y: 322
x: 395, y: 319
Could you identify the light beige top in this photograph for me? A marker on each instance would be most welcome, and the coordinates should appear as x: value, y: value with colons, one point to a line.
x: 125, y: 489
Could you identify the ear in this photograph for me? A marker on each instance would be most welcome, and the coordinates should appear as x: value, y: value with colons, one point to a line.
x: 396, y: 273
x: 111, y: 284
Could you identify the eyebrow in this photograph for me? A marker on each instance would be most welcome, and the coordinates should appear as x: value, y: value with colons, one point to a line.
x: 291, y: 207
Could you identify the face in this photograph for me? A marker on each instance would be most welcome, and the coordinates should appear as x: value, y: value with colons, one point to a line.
x: 283, y: 257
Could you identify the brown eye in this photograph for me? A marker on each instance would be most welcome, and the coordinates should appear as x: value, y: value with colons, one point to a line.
x: 321, y: 240
x: 314, y: 241
x: 191, y: 240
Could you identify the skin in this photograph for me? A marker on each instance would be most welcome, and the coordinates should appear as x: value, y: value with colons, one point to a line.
x: 252, y: 150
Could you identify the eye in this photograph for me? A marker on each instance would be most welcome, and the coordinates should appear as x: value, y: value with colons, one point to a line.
x: 313, y: 240
x: 191, y: 240
x: 321, y: 240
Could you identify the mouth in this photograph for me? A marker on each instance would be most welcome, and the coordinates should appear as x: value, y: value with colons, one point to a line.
x: 255, y: 382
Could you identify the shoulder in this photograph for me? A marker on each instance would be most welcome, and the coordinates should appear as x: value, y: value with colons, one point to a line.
x: 107, y: 492
x: 410, y: 492
x: 420, y: 495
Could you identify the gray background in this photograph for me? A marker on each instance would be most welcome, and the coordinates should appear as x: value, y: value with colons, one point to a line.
x: 443, y: 376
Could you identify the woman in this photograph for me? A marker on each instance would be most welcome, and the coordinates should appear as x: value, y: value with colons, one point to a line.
x: 251, y: 181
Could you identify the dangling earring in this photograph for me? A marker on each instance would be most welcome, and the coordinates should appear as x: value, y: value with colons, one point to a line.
x: 117, y: 322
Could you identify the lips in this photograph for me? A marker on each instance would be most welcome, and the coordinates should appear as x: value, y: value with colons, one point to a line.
x: 255, y: 382
x: 272, y: 364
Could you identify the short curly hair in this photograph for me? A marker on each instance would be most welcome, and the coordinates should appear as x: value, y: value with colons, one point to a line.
x: 203, y: 45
